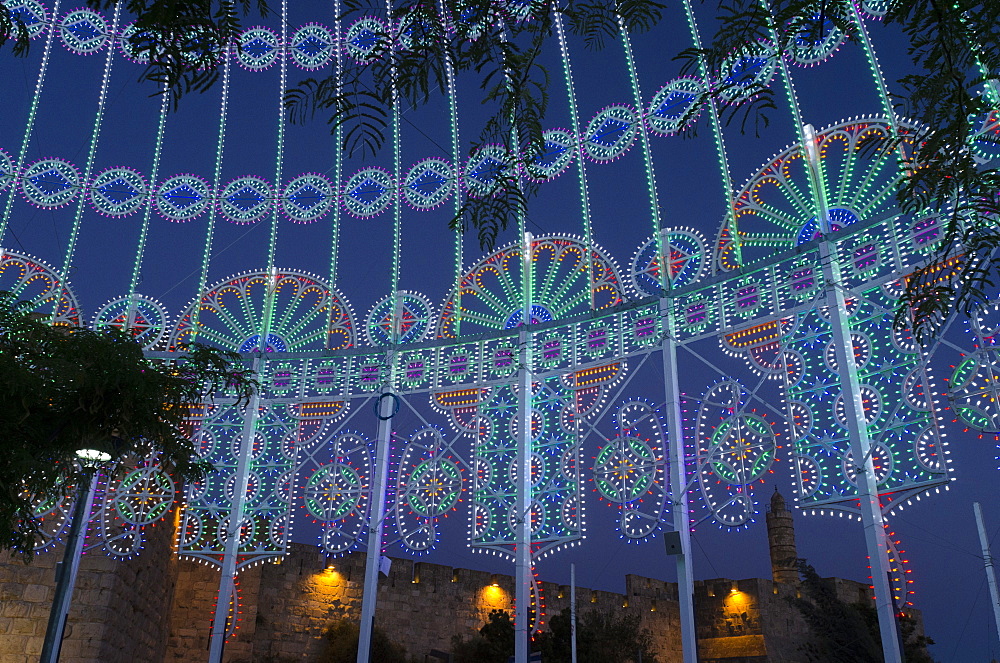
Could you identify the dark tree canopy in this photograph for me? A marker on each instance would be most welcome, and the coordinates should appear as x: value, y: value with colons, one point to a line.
x: 64, y: 389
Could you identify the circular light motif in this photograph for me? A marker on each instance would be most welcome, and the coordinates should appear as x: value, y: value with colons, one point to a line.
x: 745, y: 74
x: 974, y: 390
x: 927, y: 449
x: 875, y: 8
x: 50, y: 183
x: 862, y: 352
x: 986, y: 135
x: 6, y: 170
x: 537, y: 517
x: 366, y: 40
x: 247, y: 532
x: 333, y: 492
x: 814, y: 43
x: 134, y: 48
x: 31, y: 280
x: 559, y: 150
x: 31, y: 13
x: 434, y: 487
x: 871, y: 402
x: 182, y: 198
x: 144, y: 316
x: 800, y: 419
x: 83, y: 31
x: 307, y: 198
x: 485, y: 169
x: 413, y: 311
x: 839, y: 219
x: 539, y: 314
x: 253, y: 490
x: 670, y: 112
x: 428, y: 184
x: 245, y: 200
x: 742, y: 449
x: 807, y: 474
x: 312, y: 46
x: 368, y: 193
x: 118, y: 192
x: 611, y: 133
x: 274, y: 344
x: 625, y: 469
x: 144, y: 496
x: 257, y: 49
x: 687, y: 261
x: 882, y: 462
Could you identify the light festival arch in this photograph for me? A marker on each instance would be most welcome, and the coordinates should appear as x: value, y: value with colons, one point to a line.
x: 520, y: 429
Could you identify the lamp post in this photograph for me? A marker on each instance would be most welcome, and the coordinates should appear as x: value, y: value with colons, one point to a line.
x: 91, y: 461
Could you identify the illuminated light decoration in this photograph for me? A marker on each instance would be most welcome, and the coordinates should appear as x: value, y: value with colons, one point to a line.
x: 555, y: 472
x: 735, y: 448
x: 32, y: 14
x: 52, y: 515
x: 611, y: 133
x: 630, y: 470
x: 429, y: 183
x: 761, y: 346
x: 565, y: 283
x: 257, y: 48
x: 414, y: 319
x: 926, y: 233
x: 839, y: 219
x: 145, y: 317
x: 338, y: 490
x: 133, y: 47
x: 182, y: 198
x: 882, y: 460
x: 368, y: 192
x: 815, y: 43
x: 83, y: 31
x: 366, y: 40
x: 245, y: 200
x: 688, y: 260
x: 875, y: 8
x: 672, y: 109
x: 485, y: 169
x: 429, y: 484
x: 746, y: 72
x: 974, y: 384
x: 307, y: 198
x: 312, y: 46
x: 129, y: 504
x: 305, y: 314
x: 986, y: 136
x: 772, y: 215
x: 205, y: 523
x: 31, y: 280
x: 50, y: 183
x: 559, y: 149
x: 7, y: 170
x: 118, y: 192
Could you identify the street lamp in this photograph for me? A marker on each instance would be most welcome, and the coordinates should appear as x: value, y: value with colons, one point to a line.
x: 91, y: 460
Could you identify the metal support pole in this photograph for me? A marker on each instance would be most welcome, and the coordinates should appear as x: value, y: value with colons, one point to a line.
x: 854, y: 412
x: 991, y: 576
x: 572, y: 613
x: 386, y: 409
x: 678, y: 481
x: 237, y: 514
x: 67, y: 569
x: 522, y: 500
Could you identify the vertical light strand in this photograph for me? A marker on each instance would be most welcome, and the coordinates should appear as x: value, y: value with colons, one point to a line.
x: 720, y: 141
x: 29, y: 126
x: 876, y: 70
x: 206, y: 257
x: 397, y: 210
x: 581, y: 169
x: 280, y: 148
x: 338, y: 159
x: 147, y: 212
x: 95, y: 134
x: 456, y: 183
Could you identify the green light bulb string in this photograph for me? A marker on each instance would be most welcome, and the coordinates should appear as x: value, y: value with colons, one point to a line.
x: 213, y: 210
x: 397, y: 203
x: 720, y: 141
x: 30, y: 124
x: 456, y: 157
x: 338, y: 160
x: 877, y: 76
x: 647, y: 156
x: 81, y: 201
x: 148, y: 206
x: 581, y: 168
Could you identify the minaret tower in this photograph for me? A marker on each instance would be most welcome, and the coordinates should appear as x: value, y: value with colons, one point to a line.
x: 781, y: 541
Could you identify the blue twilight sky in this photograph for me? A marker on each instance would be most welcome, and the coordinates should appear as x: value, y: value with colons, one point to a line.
x: 937, y: 533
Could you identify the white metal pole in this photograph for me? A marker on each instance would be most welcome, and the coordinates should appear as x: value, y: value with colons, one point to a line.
x: 991, y: 576
x: 678, y: 480
x: 572, y: 613
x: 237, y: 514
x: 67, y: 570
x: 854, y: 411
x: 522, y: 536
x: 386, y: 409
